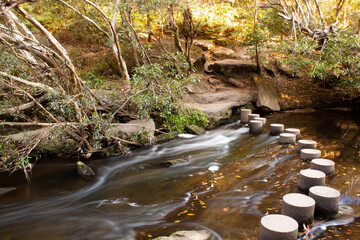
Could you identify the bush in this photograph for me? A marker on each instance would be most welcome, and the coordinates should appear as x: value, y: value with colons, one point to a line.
x: 161, y: 88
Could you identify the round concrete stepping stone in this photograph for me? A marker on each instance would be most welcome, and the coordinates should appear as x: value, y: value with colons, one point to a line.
x: 300, y: 207
x: 326, y: 201
x: 261, y: 119
x: 276, y: 129
x: 278, y: 227
x: 309, y: 144
x: 244, y: 115
x: 309, y: 154
x: 252, y: 116
x: 309, y: 178
x: 325, y: 165
x: 255, y: 126
x: 287, y: 138
x: 295, y: 131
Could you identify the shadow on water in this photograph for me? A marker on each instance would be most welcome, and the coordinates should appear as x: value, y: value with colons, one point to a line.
x: 135, y: 197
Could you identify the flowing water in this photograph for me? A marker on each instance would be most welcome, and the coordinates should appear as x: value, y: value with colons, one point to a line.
x: 134, y: 197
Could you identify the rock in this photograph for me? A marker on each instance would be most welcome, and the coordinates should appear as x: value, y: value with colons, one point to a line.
x: 171, y: 163
x: 223, y: 52
x: 196, y: 130
x: 218, y: 105
x: 134, y: 127
x: 199, y: 63
x: 84, y: 170
x: 166, y: 137
x: 205, y: 45
x: 267, y: 95
x: 188, y: 235
x: 231, y: 67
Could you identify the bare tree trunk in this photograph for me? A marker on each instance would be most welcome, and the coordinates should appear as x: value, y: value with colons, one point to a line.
x: 116, y: 45
x: 257, y: 53
x: 190, y: 34
x: 175, y: 29
x: 148, y: 23
x: 126, y: 17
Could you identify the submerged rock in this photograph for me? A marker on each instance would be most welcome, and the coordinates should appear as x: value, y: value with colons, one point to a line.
x: 84, y: 170
x: 171, y: 163
x: 188, y: 235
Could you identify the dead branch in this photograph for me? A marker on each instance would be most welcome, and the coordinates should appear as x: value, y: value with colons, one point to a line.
x: 11, y: 5
x: 33, y: 99
x: 22, y: 107
x: 33, y: 84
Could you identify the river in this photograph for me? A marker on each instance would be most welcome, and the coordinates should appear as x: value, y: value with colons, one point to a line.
x: 134, y: 197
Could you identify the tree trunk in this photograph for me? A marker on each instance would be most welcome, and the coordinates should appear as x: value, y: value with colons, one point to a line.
x: 175, y: 29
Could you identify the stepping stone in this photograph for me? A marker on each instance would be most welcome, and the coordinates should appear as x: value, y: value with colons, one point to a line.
x: 252, y: 116
x: 309, y: 178
x: 325, y: 165
x: 287, y: 138
x: 309, y: 154
x: 255, y: 126
x: 278, y: 227
x: 300, y: 207
x: 244, y: 115
x: 261, y: 119
x: 326, y: 201
x: 309, y: 144
x: 295, y: 131
x: 276, y: 129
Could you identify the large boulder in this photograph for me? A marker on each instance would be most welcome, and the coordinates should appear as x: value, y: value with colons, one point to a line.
x: 205, y: 45
x: 232, y: 67
x: 222, y: 52
x: 188, y: 235
x: 134, y: 127
x: 267, y: 95
x: 218, y: 105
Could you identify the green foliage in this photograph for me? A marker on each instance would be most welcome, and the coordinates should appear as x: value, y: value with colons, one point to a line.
x: 161, y: 88
x: 186, y: 117
x: 336, y: 64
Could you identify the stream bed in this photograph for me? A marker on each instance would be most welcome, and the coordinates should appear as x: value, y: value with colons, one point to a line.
x: 136, y: 197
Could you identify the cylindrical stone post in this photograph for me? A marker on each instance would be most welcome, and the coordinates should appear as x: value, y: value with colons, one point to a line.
x: 309, y: 154
x: 309, y: 178
x: 309, y: 144
x: 326, y: 201
x: 276, y: 129
x: 278, y: 227
x: 325, y: 165
x: 244, y: 115
x: 300, y: 207
x: 295, y: 131
x: 287, y: 138
x: 261, y: 119
x: 252, y: 116
x: 255, y: 126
